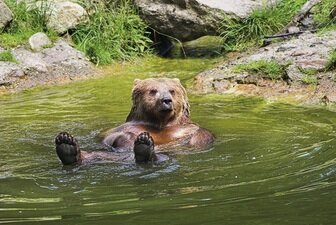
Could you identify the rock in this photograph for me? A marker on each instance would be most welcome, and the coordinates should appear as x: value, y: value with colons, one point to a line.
x: 305, y: 59
x: 9, y: 72
x: 39, y: 41
x: 61, y: 15
x: 63, y: 59
x: 6, y: 15
x: 293, y: 29
x: 206, y: 46
x: 308, y: 51
x: 294, y: 73
x: 65, y: 16
x: 50, y: 65
x: 190, y: 19
x: 30, y: 62
x: 230, y: 7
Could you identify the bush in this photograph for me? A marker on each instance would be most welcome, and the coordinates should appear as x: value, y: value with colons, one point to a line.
x: 112, y: 33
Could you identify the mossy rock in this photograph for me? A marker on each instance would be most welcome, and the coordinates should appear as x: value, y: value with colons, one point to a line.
x: 206, y: 46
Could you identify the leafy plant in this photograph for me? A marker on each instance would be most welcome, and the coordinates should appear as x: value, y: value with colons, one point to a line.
x: 267, y: 69
x: 112, y: 33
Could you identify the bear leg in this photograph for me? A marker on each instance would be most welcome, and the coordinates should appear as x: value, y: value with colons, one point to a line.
x: 144, y: 148
x: 67, y: 149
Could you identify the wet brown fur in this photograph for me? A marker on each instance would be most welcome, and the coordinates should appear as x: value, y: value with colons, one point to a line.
x: 144, y: 105
x: 170, y: 129
x: 173, y: 128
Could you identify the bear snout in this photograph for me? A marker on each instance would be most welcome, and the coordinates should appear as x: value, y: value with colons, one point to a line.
x: 167, y: 103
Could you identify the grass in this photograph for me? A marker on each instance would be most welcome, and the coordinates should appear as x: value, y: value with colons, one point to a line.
x: 325, y: 14
x: 113, y: 33
x: 309, y: 76
x: 309, y: 71
x: 25, y: 23
x: 7, y: 56
x: 331, y: 64
x: 266, y: 69
x: 240, y: 34
x: 309, y: 79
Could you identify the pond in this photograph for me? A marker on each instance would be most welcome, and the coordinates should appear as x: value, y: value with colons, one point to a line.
x: 271, y: 163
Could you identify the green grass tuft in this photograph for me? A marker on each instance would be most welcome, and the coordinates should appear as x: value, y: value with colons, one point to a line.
x: 7, y: 56
x: 25, y: 23
x: 331, y: 64
x: 115, y: 33
x: 239, y: 34
x: 309, y: 79
x: 266, y: 69
x: 309, y: 76
x: 325, y: 14
x: 309, y: 71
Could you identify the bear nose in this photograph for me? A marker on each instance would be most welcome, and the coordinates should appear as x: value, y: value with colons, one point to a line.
x: 166, y: 100
x: 167, y: 103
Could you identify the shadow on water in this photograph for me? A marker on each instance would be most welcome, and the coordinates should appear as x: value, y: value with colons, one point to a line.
x: 271, y: 163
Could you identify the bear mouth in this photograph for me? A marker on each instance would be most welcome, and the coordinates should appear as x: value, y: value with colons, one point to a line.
x: 166, y: 108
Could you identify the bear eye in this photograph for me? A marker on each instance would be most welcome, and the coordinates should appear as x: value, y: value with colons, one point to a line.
x: 153, y: 92
x: 172, y: 92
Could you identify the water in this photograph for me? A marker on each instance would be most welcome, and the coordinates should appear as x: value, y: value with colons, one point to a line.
x: 271, y: 163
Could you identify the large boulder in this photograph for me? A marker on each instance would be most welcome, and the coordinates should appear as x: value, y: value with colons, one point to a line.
x: 62, y: 15
x: 65, y: 16
x: 5, y: 15
x: 303, y: 59
x: 64, y: 59
x: 9, y: 72
x: 189, y: 19
x: 30, y: 62
x: 59, y: 63
x: 206, y: 46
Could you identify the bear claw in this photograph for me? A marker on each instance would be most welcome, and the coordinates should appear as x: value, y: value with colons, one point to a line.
x: 65, y: 138
x: 144, y: 148
x: 67, y: 148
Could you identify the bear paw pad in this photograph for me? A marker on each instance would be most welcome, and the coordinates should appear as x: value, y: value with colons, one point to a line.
x: 67, y: 148
x: 144, y: 148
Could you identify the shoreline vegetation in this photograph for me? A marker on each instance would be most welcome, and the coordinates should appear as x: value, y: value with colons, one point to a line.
x: 111, y: 33
x: 114, y: 32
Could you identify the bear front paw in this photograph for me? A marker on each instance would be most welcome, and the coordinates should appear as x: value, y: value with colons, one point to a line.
x: 144, y: 148
x: 67, y: 148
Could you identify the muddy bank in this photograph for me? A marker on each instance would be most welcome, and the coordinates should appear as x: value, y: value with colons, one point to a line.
x: 304, y: 78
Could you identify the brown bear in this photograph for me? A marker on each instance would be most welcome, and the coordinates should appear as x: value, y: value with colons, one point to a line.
x: 160, y: 114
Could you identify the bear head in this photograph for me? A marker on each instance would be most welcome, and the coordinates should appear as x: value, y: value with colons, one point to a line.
x: 160, y: 102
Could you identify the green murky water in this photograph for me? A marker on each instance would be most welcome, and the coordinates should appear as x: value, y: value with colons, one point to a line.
x: 271, y: 163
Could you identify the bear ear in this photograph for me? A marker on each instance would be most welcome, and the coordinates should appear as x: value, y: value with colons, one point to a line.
x: 136, y: 82
x: 177, y: 80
